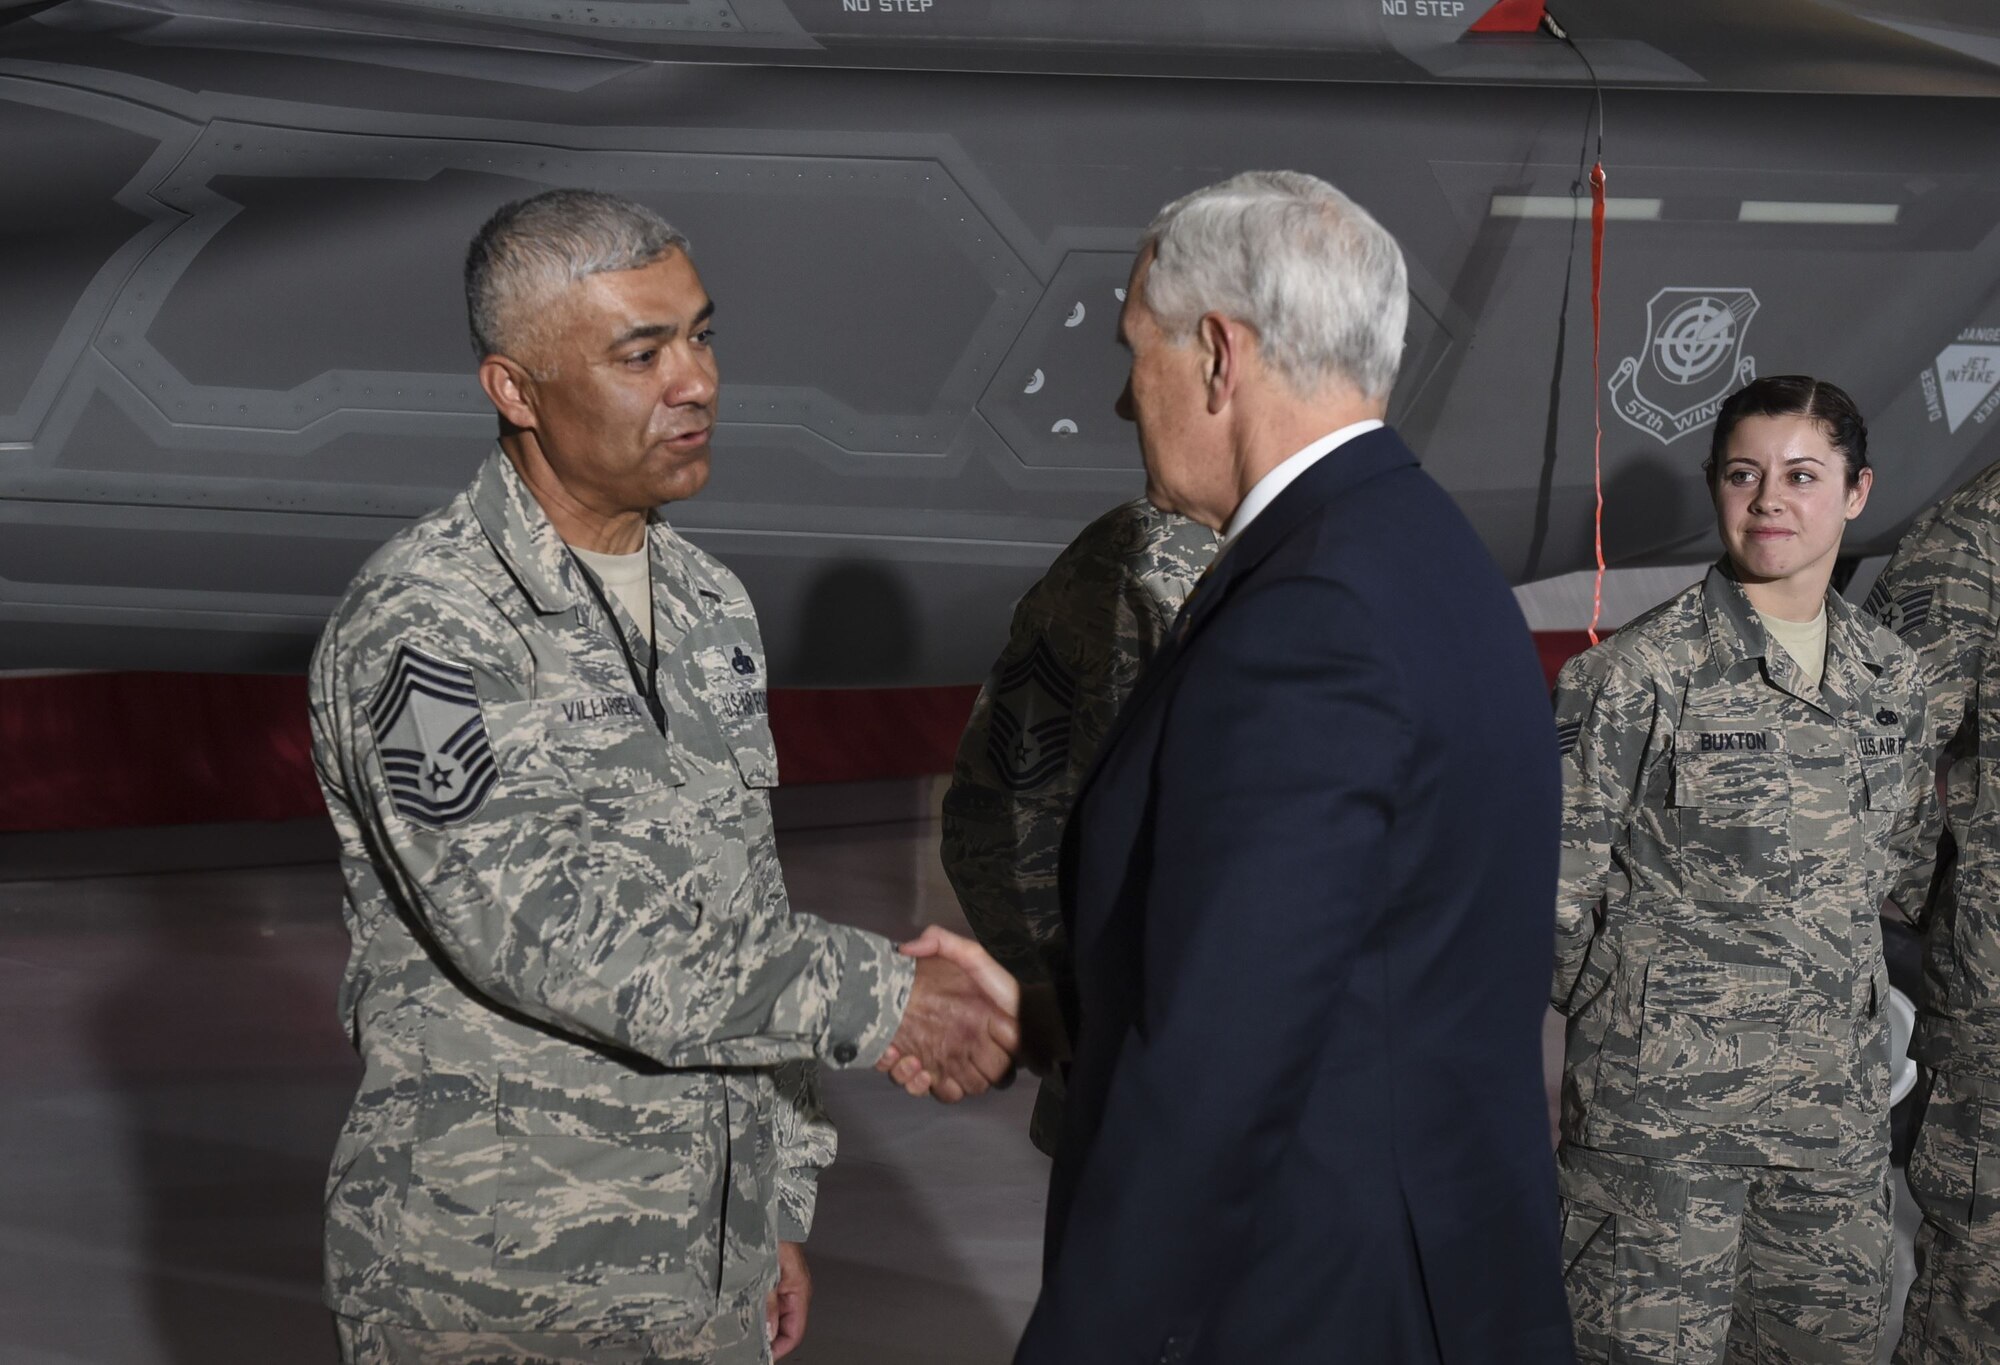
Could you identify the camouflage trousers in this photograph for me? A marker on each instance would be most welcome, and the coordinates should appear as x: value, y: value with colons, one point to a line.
x: 734, y: 1337
x: 1678, y: 1263
x: 1952, y: 1316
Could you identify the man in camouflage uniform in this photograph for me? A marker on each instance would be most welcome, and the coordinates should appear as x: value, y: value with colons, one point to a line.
x: 1080, y: 638
x: 1729, y: 832
x: 588, y: 1128
x: 1939, y: 593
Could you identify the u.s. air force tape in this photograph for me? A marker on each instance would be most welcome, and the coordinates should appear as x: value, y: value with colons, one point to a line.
x: 432, y: 739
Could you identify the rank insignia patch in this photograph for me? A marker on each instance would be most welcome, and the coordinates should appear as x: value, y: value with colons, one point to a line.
x: 1027, y: 738
x: 1567, y: 735
x: 432, y: 738
x: 1904, y: 613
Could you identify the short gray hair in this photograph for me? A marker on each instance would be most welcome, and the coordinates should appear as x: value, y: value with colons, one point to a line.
x: 532, y: 250
x: 1321, y: 282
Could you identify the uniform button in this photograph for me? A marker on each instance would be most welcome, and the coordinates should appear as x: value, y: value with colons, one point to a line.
x: 846, y: 1053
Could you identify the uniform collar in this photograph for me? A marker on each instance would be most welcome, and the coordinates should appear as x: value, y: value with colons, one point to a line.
x: 1736, y: 636
x: 534, y: 552
x: 523, y: 536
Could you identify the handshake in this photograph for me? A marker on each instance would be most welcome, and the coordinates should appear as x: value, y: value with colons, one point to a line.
x: 968, y: 1022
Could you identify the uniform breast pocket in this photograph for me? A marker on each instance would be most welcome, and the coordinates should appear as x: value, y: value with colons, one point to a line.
x: 598, y: 745
x: 1732, y: 801
x: 1711, y: 1037
x: 732, y: 679
x: 608, y: 1172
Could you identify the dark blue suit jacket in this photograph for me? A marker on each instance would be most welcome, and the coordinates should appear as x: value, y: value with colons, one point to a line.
x: 1310, y: 891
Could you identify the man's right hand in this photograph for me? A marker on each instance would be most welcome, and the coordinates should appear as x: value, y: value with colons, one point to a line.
x: 959, y: 1032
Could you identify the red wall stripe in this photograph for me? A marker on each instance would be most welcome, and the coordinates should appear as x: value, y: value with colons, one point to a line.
x: 111, y: 750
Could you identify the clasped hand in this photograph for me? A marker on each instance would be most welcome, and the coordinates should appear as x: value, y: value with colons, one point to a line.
x: 962, y: 1028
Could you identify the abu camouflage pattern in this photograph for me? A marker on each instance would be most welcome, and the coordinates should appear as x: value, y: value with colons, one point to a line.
x: 1938, y: 592
x: 1657, y: 1256
x: 1079, y: 640
x: 1952, y: 1316
x: 1728, y: 834
x: 589, y: 1020
x: 733, y: 1337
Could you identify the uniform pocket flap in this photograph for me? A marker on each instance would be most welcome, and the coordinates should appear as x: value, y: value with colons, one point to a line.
x: 1730, y: 767
x: 629, y: 1109
x: 604, y: 743
x: 1885, y: 768
x: 1719, y: 990
x: 755, y: 751
x: 1653, y: 1192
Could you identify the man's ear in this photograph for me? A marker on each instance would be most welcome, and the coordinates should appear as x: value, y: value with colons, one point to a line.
x: 1222, y: 357
x: 511, y: 388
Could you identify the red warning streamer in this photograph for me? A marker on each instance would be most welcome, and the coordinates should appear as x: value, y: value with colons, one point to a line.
x: 1597, y: 380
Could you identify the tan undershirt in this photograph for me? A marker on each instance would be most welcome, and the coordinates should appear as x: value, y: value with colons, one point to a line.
x: 1805, y: 641
x: 627, y: 578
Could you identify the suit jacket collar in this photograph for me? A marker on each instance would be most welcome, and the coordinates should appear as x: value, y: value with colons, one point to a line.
x: 1365, y: 457
x: 1353, y: 463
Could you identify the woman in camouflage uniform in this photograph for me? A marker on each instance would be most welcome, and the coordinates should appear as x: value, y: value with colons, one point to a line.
x: 1743, y: 775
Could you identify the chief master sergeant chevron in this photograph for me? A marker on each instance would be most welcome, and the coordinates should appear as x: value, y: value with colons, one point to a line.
x: 588, y: 1127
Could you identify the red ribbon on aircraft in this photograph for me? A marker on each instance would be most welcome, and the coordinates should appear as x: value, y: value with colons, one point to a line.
x: 1597, y: 380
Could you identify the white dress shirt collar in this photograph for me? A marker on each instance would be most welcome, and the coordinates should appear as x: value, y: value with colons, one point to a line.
x: 1266, y: 489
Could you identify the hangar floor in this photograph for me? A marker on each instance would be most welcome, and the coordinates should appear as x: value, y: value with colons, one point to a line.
x: 172, y: 1076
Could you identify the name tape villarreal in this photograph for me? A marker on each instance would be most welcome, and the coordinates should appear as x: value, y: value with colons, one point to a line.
x: 584, y: 710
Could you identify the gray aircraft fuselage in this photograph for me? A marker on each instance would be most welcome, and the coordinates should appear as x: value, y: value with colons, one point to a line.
x: 235, y: 358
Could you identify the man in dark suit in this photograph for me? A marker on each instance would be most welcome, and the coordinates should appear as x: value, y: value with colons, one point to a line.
x: 1307, y: 885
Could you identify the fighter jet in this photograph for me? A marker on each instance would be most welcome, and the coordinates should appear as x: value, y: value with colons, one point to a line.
x: 235, y: 361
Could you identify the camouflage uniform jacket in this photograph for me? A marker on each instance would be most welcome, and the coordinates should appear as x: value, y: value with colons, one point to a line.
x: 1940, y: 594
x: 1729, y: 832
x: 1080, y: 638
x: 587, y: 1015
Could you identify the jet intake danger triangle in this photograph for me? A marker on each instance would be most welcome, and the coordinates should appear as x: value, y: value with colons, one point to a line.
x: 1965, y: 382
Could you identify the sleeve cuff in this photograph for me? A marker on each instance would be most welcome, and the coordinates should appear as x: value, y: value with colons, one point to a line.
x: 868, y: 1004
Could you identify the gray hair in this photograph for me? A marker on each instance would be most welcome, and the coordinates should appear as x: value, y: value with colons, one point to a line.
x: 1321, y: 282
x: 532, y: 250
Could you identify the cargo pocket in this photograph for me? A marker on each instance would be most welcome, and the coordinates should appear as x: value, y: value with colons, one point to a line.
x: 1732, y: 797
x: 1954, y: 1171
x: 1710, y: 1037
x: 608, y: 1172
x: 1891, y: 786
x: 1622, y: 1259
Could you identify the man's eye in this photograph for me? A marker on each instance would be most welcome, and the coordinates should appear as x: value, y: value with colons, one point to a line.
x: 705, y: 337
x: 639, y: 360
